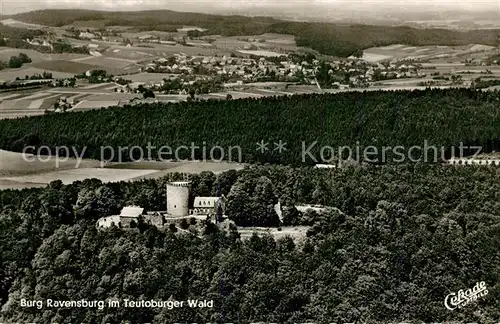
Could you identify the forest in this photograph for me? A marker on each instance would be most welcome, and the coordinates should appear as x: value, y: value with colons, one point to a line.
x: 327, y: 38
x: 305, y: 122
x: 401, y: 239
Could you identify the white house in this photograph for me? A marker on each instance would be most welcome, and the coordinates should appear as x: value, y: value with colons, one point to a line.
x: 206, y: 205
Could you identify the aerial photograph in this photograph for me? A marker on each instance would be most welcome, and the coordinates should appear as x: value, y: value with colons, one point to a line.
x: 237, y: 161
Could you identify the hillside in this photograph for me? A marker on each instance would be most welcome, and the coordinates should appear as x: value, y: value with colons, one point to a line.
x: 403, y: 118
x: 327, y: 38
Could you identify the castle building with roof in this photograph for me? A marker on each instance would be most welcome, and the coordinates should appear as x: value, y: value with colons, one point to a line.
x: 177, y: 208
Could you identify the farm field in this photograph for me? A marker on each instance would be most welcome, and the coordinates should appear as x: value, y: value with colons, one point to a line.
x: 127, y: 54
x: 144, y: 165
x: 18, y: 114
x: 155, y: 33
x: 399, y: 51
x: 15, y: 185
x: 148, y: 77
x: 36, y: 101
x: 153, y: 49
x: 185, y: 29
x: 94, y: 104
x: 66, y: 66
x: 114, y: 96
x: 12, y: 163
x: 229, y: 43
x: 27, y: 104
x: 265, y: 42
x: 80, y: 174
x: 12, y: 74
x: 261, y: 53
x: 106, y: 62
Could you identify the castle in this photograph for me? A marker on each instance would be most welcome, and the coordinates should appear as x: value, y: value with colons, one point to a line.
x: 177, y: 208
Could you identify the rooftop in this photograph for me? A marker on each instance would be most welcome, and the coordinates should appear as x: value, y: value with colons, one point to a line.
x: 131, y: 211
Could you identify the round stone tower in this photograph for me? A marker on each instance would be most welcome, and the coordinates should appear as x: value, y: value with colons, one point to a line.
x: 178, y: 198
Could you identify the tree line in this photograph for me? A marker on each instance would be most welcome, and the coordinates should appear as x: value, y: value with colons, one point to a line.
x: 307, y: 123
x: 403, y: 237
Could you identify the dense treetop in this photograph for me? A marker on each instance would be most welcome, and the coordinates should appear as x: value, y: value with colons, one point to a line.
x: 404, y: 237
x: 400, y: 118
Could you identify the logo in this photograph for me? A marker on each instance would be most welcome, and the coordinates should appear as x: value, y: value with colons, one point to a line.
x: 463, y: 298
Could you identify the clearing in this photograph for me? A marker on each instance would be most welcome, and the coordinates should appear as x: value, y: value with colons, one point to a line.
x: 297, y: 233
x: 12, y: 74
x: 12, y: 163
x: 7, y: 52
x: 72, y: 67
x: 80, y: 174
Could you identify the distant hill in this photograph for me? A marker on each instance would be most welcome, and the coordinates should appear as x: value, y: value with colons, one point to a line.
x: 327, y: 38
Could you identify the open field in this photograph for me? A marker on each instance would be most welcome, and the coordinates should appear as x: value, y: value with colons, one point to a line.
x: 127, y: 54
x: 7, y: 52
x: 268, y: 42
x: 114, y: 96
x: 12, y: 163
x: 184, y: 166
x: 261, y: 53
x: 154, y: 49
x: 19, y: 170
x: 34, y: 104
x: 185, y: 29
x: 230, y: 43
x: 12, y: 74
x: 106, y: 62
x: 35, y: 101
x: 19, y: 114
x: 399, y: 51
x: 280, y: 39
x: 190, y: 167
x: 9, y: 95
x: 297, y: 233
x: 89, y: 105
x: 372, y: 57
x: 15, y: 185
